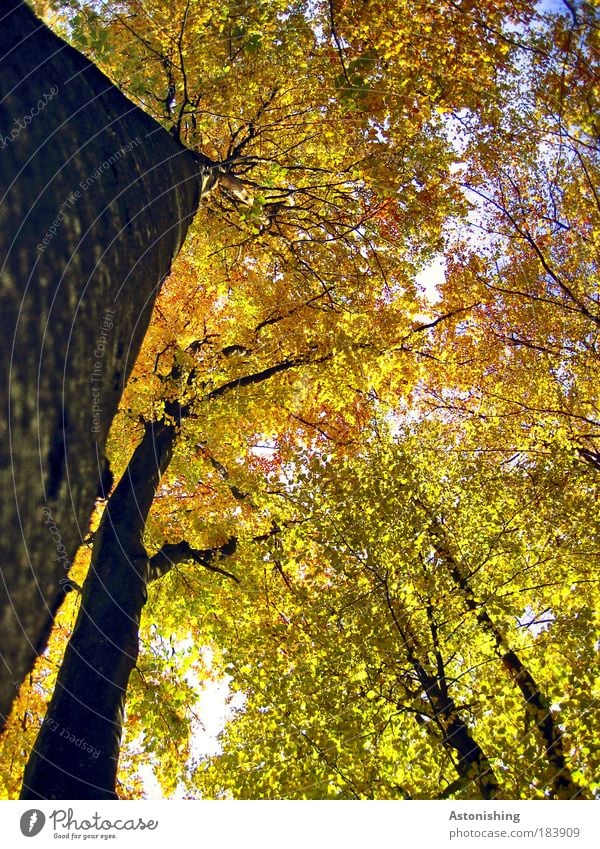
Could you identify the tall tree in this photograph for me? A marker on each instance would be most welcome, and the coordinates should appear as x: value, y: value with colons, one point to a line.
x: 413, y: 631
x: 311, y: 197
x: 95, y: 200
x: 291, y: 337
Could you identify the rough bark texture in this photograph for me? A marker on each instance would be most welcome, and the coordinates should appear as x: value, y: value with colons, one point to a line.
x: 95, y: 200
x: 76, y: 752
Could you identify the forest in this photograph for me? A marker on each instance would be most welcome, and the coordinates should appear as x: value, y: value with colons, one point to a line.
x: 301, y: 303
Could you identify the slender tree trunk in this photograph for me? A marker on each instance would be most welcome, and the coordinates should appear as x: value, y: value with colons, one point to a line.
x: 76, y: 753
x: 95, y: 201
x: 537, y: 707
x: 472, y: 766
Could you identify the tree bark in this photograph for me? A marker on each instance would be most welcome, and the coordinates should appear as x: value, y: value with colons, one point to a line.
x: 76, y: 752
x: 95, y: 201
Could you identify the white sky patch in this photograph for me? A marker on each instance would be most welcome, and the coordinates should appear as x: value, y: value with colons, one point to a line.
x: 265, y: 448
x: 215, y: 707
x: 431, y: 278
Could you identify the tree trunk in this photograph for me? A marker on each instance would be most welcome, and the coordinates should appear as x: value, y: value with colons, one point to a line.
x: 536, y: 705
x: 95, y: 201
x: 472, y: 766
x: 76, y: 752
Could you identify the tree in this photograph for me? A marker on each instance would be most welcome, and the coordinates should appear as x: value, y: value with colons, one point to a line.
x: 522, y: 348
x: 290, y: 338
x: 96, y: 200
x: 323, y: 216
x: 438, y: 572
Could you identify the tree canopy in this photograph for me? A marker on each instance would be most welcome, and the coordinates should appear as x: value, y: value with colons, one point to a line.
x: 372, y: 511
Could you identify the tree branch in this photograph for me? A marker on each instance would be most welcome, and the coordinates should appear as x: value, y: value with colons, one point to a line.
x: 173, y: 553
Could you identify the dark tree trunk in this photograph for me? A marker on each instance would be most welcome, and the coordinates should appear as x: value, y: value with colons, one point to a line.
x: 76, y: 753
x: 536, y: 705
x: 95, y: 201
x: 470, y: 761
